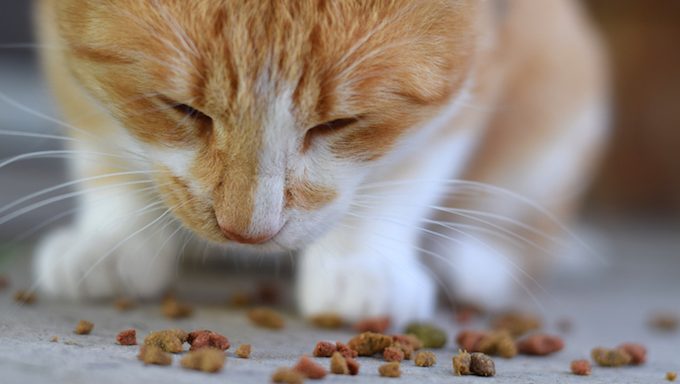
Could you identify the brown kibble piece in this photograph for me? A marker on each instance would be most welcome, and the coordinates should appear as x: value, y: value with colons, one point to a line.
x: 345, y: 350
x: 266, y: 318
x: 25, y: 297
x: 373, y: 324
x: 540, y: 345
x: 637, y: 352
x: 425, y: 359
x: 324, y: 349
x: 207, y: 339
x: 392, y: 369
x: 127, y: 337
x: 516, y: 323
x: 409, y: 340
x: 482, y: 365
x: 288, y: 376
x: 151, y: 354
x: 339, y: 364
x: 174, y: 309
x: 496, y: 343
x: 369, y: 343
x: 666, y: 322
x: 268, y: 293
x: 310, y: 369
x: 327, y: 321
x: 461, y: 363
x: 610, y: 357
x: 393, y: 354
x: 169, y: 340
x: 581, y: 367
x: 352, y: 365
x: 468, y: 340
x: 671, y: 376
x: 204, y: 359
x: 123, y: 304
x: 243, y: 351
x: 84, y: 327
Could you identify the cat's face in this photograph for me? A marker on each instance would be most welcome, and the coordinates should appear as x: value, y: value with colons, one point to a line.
x: 264, y: 116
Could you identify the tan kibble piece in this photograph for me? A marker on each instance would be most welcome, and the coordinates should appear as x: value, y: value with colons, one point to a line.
x: 240, y: 300
x: 327, y: 321
x: 84, y: 327
x: 581, y: 367
x: 151, y: 354
x: 410, y: 340
x: 174, y: 309
x: 205, y: 359
x: 605, y: 357
x: 339, y: 364
x: 393, y: 354
x: 266, y: 318
x: 324, y: 349
x: 499, y: 343
x: 373, y: 324
x: 25, y: 297
x: 288, y: 376
x: 310, y: 369
x: 123, y: 304
x: 127, y: 337
x: 671, y: 376
x: 369, y: 343
x: 392, y: 369
x: 516, y: 323
x: 425, y: 359
x: 406, y: 350
x: 243, y: 351
x: 482, y: 365
x: 666, y: 322
x: 637, y: 352
x: 345, y: 350
x: 54, y: 339
x: 461, y: 364
x: 169, y: 340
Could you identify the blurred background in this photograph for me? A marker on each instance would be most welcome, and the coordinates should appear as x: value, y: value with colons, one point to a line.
x: 639, y: 177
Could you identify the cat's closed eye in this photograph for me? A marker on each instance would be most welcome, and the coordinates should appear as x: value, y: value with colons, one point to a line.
x: 191, y: 112
x: 328, y: 128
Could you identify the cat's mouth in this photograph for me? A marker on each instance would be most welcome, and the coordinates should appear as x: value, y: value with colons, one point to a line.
x: 249, y: 239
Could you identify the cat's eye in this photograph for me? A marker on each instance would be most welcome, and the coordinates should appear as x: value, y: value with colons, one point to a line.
x: 327, y: 128
x: 191, y: 112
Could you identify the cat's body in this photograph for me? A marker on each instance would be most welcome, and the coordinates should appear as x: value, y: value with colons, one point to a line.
x: 415, y: 93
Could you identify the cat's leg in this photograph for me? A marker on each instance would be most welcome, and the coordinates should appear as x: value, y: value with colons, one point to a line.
x: 119, y: 244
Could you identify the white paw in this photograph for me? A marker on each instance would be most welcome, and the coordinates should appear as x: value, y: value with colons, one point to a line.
x: 364, y: 285
x: 72, y: 263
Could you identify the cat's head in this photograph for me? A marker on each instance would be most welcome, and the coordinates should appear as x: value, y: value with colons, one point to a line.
x: 264, y: 116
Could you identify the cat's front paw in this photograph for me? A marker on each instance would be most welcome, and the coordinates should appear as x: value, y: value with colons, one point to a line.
x: 361, y: 286
x: 71, y: 263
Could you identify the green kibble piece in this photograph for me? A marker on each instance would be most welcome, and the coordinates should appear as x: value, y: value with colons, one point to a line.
x: 430, y: 335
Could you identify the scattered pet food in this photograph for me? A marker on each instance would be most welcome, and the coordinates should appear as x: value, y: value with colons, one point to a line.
x: 54, y: 339
x: 339, y: 364
x: 637, y: 352
x: 346, y: 351
x: 151, y: 354
x: 169, y: 340
x: 25, y: 297
x: 324, y: 349
x: 410, y: 340
x: 540, y: 345
x: 430, y: 335
x: 581, y: 367
x: 461, y: 364
x: 205, y: 359
x: 666, y: 322
x: 174, y: 309
x: 123, y: 304
x: 288, y: 376
x: 373, y: 324
x: 243, y: 351
x: 495, y: 343
x: 240, y: 300
x: 207, y: 339
x: 393, y: 354
x: 482, y: 365
x: 392, y: 369
x: 605, y: 357
x: 266, y: 318
x: 353, y: 366
x: 516, y: 323
x: 84, y: 327
x: 425, y: 359
x: 370, y: 343
x: 671, y: 376
x: 127, y: 337
x: 327, y: 321
x: 310, y: 369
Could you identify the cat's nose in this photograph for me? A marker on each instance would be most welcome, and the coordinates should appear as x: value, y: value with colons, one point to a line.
x: 245, y: 239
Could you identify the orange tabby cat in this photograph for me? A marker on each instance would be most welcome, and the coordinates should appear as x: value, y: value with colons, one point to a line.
x: 337, y: 128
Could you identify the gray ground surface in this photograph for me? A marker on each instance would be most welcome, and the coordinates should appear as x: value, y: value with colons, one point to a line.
x: 606, y: 308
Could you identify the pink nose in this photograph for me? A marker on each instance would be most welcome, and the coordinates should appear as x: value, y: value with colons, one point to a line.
x: 245, y: 239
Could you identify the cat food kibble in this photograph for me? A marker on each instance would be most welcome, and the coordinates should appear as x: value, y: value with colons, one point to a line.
x: 310, y: 369
x: 54, y: 339
x: 540, y: 345
x: 610, y: 357
x: 327, y: 321
x: 169, y: 340
x: 482, y: 365
x: 339, y: 364
x: 671, y: 376
x: 409, y: 340
x: 127, y: 337
x: 345, y: 350
x: 666, y: 322
x: 84, y: 327
x: 580, y: 367
x: 240, y: 300
x: 266, y: 318
x: 429, y: 335
x: 516, y: 323
x: 123, y: 304
x: 207, y: 339
x: 637, y: 353
x: 495, y: 343
x: 352, y: 365
x: 369, y: 343
x: 243, y: 351
x: 205, y: 359
x: 461, y: 364
x: 393, y: 354
x: 373, y: 324
x: 288, y: 376
x: 174, y: 309
x: 25, y: 297
x: 425, y: 359
x: 324, y: 349
x: 392, y: 369
x: 150, y: 354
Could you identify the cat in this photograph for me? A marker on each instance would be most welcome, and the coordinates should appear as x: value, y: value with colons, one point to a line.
x: 339, y: 129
